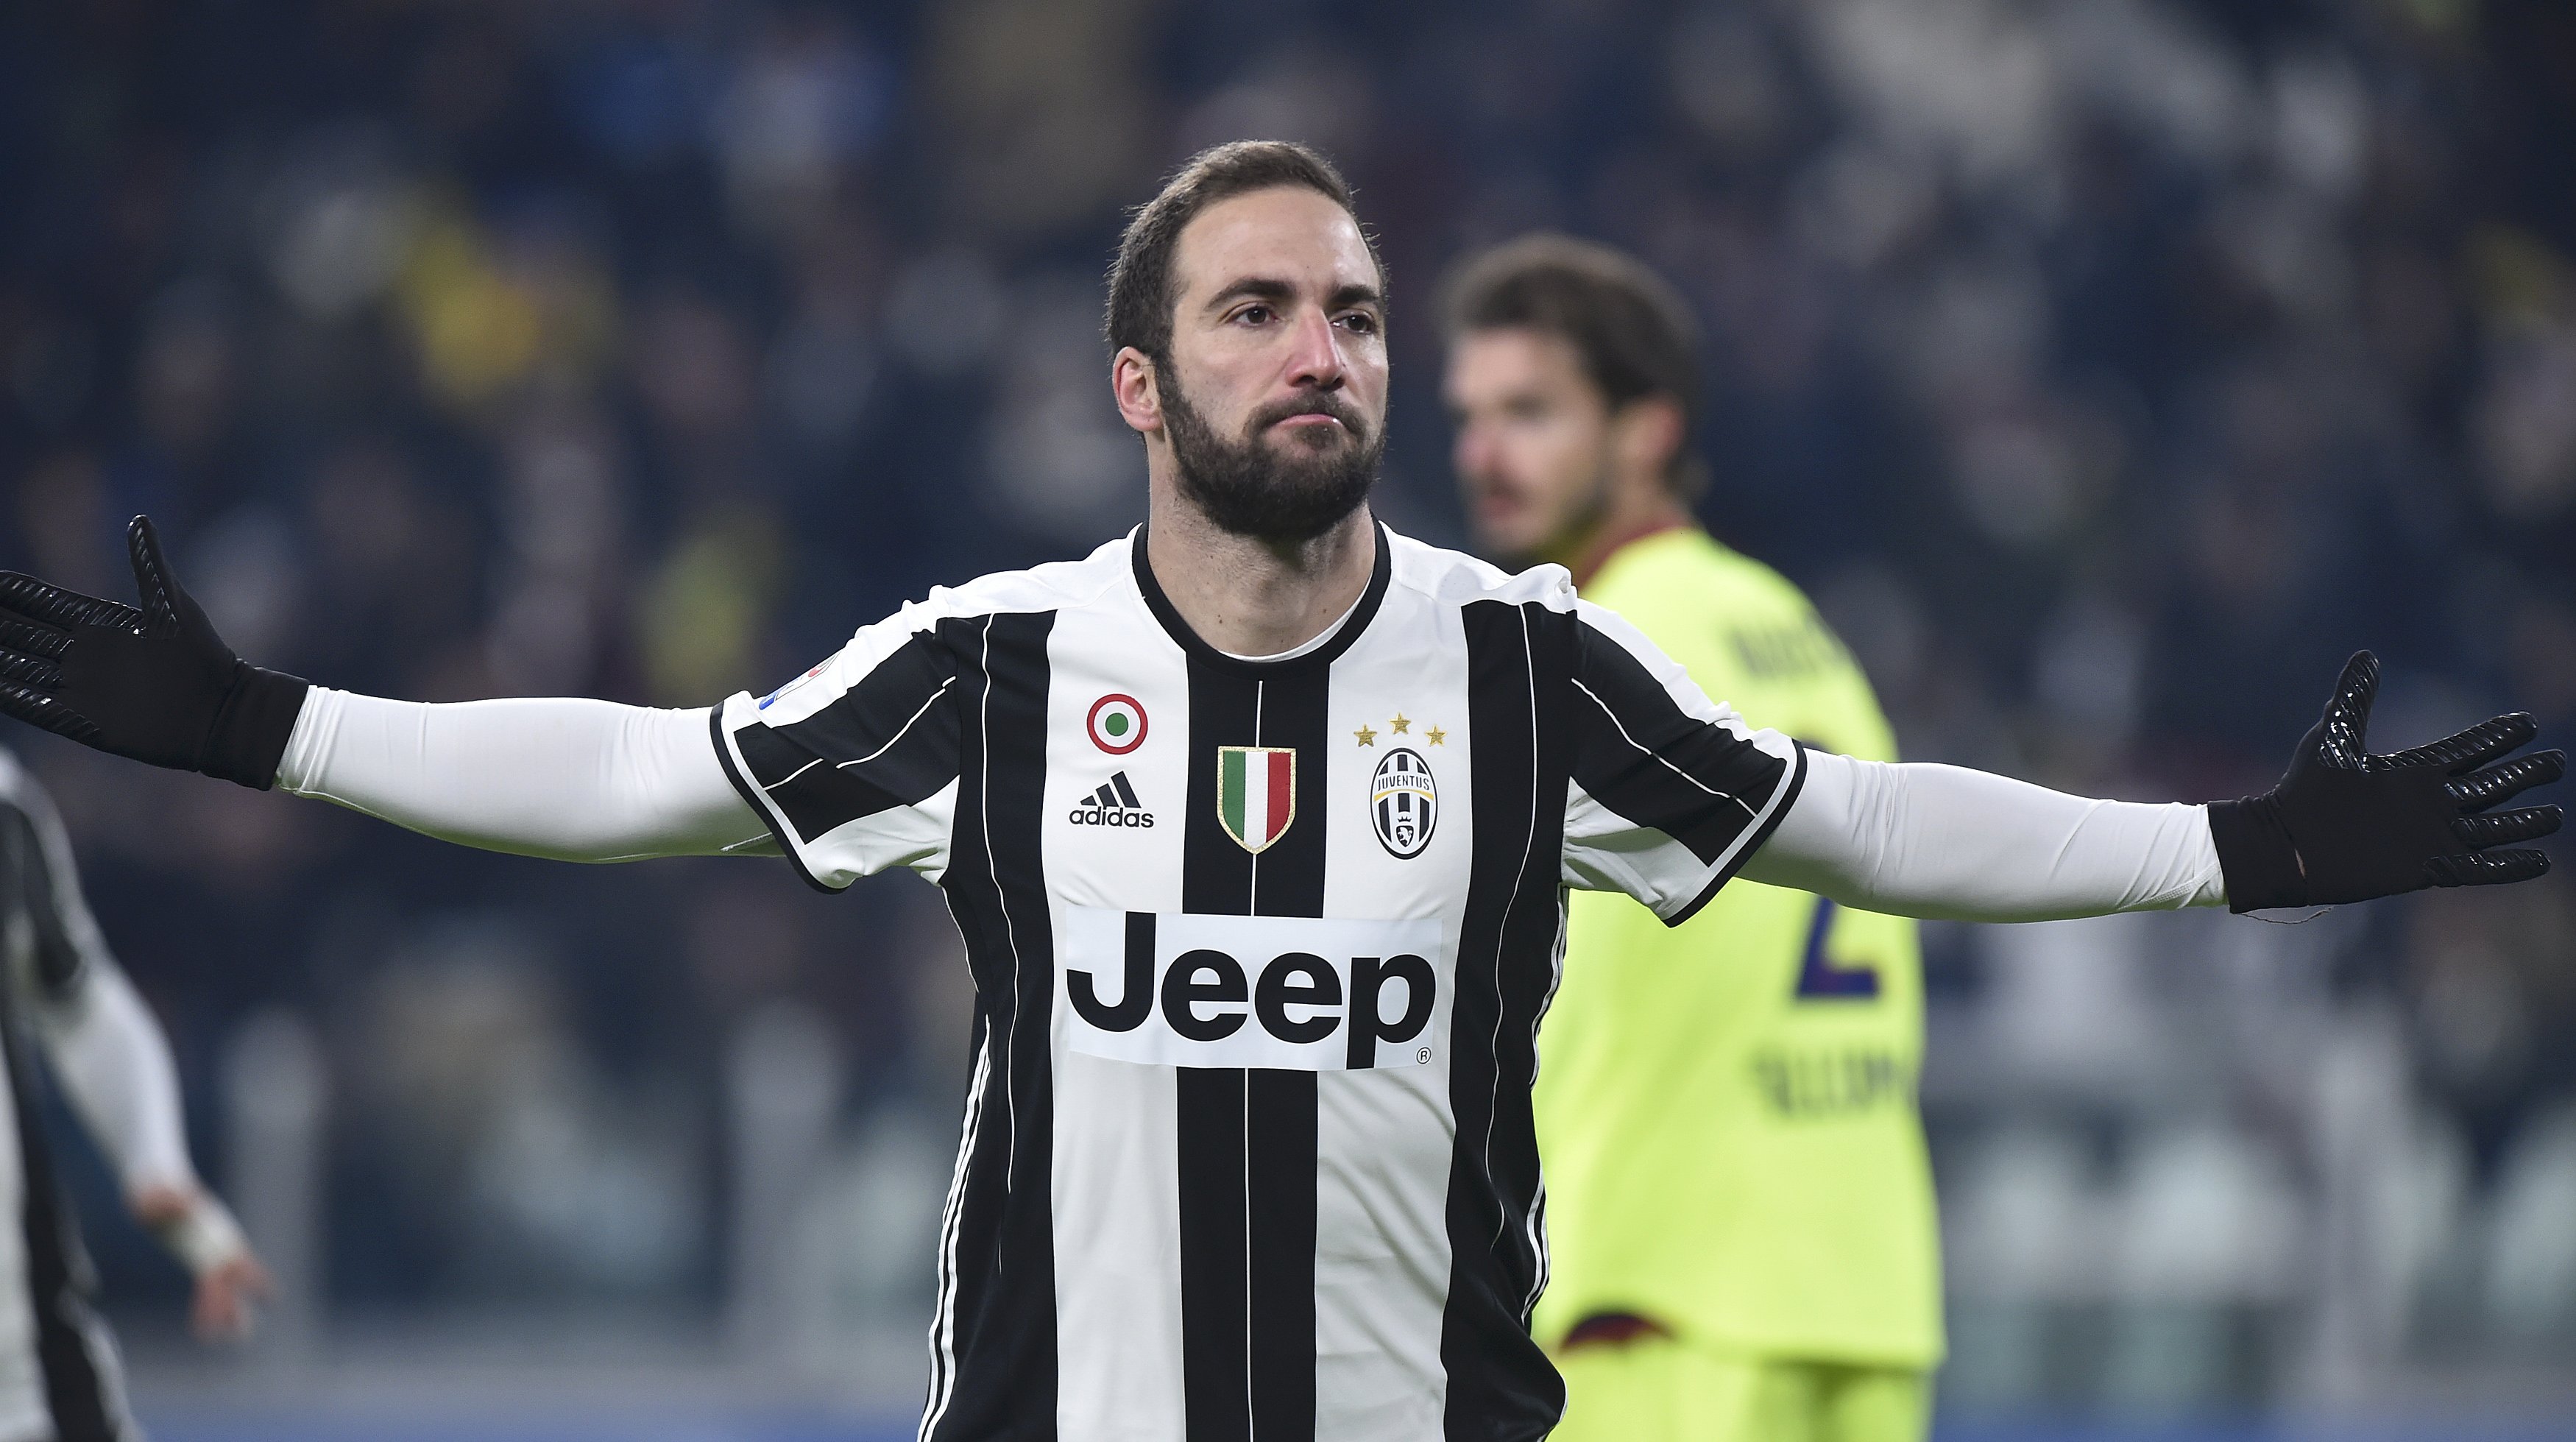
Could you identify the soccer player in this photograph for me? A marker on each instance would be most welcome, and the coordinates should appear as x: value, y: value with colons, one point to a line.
x: 1739, y: 1205
x: 1247, y: 1149
x: 64, y: 994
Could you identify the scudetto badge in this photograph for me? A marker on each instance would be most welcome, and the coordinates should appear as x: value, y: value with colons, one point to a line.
x: 1256, y: 794
x: 1404, y: 803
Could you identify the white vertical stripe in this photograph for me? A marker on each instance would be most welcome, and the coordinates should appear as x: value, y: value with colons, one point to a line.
x: 1251, y: 828
x: 1010, y: 932
x: 1538, y: 1201
x: 1250, y: 1409
x: 943, y: 1317
x: 1116, y: 1179
x: 1383, y: 1142
x: 1494, y: 1100
x: 1385, y: 1138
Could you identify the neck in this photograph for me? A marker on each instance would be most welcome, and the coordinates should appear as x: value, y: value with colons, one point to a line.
x: 1253, y: 597
x: 1634, y: 514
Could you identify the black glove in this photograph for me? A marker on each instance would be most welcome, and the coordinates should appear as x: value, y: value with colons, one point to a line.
x: 2345, y: 825
x: 156, y: 684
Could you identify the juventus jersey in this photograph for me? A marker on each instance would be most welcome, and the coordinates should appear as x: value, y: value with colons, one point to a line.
x: 60, y: 1378
x: 1260, y: 949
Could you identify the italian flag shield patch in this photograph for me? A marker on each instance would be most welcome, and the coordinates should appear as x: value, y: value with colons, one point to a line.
x: 1256, y: 793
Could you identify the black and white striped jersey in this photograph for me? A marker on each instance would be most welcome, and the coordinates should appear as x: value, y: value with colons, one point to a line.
x: 60, y: 1378
x: 1260, y: 950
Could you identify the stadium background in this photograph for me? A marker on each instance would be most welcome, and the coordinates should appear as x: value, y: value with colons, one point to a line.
x: 2107, y: 368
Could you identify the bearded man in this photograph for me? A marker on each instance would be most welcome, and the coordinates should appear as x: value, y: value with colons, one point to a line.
x: 1247, y: 1148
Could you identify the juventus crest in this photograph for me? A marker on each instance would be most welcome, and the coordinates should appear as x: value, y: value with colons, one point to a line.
x: 1404, y: 804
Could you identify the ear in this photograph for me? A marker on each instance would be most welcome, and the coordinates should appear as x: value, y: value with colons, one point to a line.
x: 1134, y: 385
x: 1645, y: 435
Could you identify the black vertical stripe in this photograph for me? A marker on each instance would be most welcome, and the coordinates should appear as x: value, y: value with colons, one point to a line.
x: 1247, y: 1138
x: 1288, y: 878
x: 1216, y: 879
x: 1216, y: 873
x: 1280, y: 1106
x: 1519, y: 678
x: 1004, y: 1380
x: 1279, y: 1178
x: 1216, y: 1274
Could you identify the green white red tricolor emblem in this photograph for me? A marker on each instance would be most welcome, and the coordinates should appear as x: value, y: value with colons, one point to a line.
x: 1256, y: 793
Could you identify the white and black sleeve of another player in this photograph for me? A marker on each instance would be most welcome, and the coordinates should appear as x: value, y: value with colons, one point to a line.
x: 106, y: 1050
x: 1670, y: 791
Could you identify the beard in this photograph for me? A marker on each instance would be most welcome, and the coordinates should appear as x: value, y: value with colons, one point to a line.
x: 1289, y: 493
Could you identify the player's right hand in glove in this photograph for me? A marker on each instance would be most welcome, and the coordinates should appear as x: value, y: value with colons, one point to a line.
x: 2345, y: 825
x: 156, y: 684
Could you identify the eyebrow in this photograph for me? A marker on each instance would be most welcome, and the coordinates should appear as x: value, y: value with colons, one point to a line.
x: 1254, y: 287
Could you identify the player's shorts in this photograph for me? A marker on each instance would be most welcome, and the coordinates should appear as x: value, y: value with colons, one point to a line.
x: 1658, y: 1389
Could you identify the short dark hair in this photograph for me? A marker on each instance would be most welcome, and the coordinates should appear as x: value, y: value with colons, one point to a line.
x: 1631, y: 330
x: 1141, y: 285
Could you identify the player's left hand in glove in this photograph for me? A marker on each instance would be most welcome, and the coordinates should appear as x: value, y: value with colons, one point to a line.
x: 2345, y: 825
x: 155, y: 684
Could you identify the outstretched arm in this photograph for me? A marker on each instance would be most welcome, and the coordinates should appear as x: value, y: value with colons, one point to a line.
x: 1948, y: 843
x: 2343, y: 825
x: 570, y: 779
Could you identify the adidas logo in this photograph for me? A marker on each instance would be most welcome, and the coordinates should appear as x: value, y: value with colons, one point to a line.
x: 1114, y: 804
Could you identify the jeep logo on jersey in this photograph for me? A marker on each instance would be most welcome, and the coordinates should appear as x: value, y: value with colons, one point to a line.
x: 1256, y: 793
x: 1296, y: 993
x: 1116, y: 723
x: 1403, y: 803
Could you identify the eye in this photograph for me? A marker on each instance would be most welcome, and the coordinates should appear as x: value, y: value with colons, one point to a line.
x: 1254, y: 314
x: 1360, y: 322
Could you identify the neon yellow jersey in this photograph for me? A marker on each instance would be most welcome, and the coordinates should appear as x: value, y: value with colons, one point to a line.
x: 1726, y: 1108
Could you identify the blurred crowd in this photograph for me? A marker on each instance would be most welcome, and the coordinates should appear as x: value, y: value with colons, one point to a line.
x: 2108, y: 369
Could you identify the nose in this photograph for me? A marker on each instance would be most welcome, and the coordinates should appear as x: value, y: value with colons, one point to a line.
x: 1317, y: 362
x: 1473, y: 452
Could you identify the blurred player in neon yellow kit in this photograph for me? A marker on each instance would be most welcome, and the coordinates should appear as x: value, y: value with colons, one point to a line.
x: 1739, y: 1205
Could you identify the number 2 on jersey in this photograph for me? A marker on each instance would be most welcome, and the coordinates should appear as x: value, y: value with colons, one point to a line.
x: 1819, y: 979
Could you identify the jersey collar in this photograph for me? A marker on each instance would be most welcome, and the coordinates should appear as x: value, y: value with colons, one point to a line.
x: 1608, y: 548
x: 1200, y: 651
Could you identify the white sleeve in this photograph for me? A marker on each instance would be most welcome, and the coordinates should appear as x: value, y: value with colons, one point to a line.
x: 1948, y: 843
x: 115, y: 1066
x: 569, y: 779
